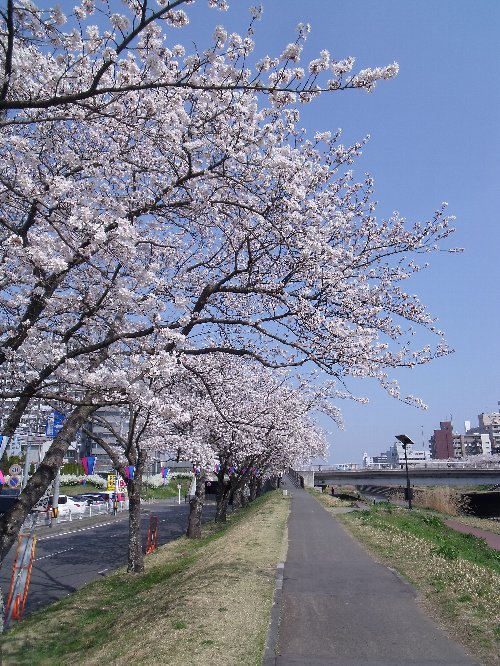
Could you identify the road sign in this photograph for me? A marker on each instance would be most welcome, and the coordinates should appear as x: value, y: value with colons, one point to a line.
x: 55, y: 423
x: 15, y: 446
x: 3, y: 444
x: 14, y: 481
x: 14, y: 470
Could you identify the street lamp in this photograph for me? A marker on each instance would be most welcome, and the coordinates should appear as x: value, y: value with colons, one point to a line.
x: 405, y: 440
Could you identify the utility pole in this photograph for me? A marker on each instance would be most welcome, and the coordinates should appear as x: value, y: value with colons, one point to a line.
x: 55, y: 499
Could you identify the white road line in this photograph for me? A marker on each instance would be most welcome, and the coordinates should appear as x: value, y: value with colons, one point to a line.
x: 82, y: 529
x: 103, y: 571
x: 37, y: 559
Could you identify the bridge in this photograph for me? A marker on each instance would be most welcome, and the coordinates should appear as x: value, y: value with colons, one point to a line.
x: 397, y: 477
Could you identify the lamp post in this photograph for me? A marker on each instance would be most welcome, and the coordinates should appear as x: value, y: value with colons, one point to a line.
x: 405, y: 440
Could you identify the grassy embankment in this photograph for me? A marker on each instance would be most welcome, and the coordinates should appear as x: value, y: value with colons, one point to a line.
x: 198, y: 600
x: 457, y: 575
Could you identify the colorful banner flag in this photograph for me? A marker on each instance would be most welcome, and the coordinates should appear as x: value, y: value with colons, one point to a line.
x: 129, y: 471
x: 2, y: 477
x: 164, y: 472
x: 88, y: 463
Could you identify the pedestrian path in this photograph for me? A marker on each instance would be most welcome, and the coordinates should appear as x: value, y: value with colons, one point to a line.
x: 341, y: 608
x: 491, y: 538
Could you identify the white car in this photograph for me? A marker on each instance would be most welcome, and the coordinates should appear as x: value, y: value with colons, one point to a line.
x: 65, y: 505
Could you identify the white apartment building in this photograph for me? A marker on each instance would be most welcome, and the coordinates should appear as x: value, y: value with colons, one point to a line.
x: 473, y: 443
x: 490, y: 423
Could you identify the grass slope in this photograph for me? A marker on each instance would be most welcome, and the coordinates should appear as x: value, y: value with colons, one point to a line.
x: 199, y: 601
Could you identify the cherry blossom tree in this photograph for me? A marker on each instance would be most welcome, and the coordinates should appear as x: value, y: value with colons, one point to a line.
x: 94, y: 55
x: 257, y: 425
x: 155, y: 204
x: 146, y: 423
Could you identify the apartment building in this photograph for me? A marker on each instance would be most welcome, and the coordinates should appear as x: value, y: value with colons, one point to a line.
x: 483, y: 439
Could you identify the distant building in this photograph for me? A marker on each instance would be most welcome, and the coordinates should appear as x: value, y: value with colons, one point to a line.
x: 35, y: 432
x: 395, y: 457
x: 473, y: 443
x: 118, y: 420
x: 380, y: 461
x: 490, y: 423
x: 483, y: 439
x: 442, y: 442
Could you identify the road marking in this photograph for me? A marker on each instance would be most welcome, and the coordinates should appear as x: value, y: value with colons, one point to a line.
x: 101, y: 572
x: 37, y: 559
x: 82, y: 529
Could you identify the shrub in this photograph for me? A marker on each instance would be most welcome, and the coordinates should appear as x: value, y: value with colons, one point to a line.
x: 446, y: 551
x: 77, y: 480
x: 441, y: 498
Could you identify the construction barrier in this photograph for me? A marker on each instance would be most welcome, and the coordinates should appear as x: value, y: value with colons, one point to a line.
x: 21, y: 573
x: 152, y: 532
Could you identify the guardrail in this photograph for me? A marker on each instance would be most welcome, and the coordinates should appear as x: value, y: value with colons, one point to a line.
x: 43, y: 518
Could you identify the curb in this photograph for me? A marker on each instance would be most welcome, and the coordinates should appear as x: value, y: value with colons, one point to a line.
x: 272, y: 634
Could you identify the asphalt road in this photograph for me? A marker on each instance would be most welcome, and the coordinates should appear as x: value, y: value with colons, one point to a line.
x: 73, y: 554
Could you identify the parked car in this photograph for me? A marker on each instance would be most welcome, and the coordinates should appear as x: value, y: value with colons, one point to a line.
x: 7, y: 499
x: 65, y: 505
x: 93, y: 498
x: 109, y: 497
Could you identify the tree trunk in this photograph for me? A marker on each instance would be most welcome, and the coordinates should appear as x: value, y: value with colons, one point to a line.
x: 259, y: 486
x: 222, y: 498
x: 12, y: 521
x: 244, y: 495
x: 253, y: 489
x: 134, y: 486
x: 236, y: 499
x: 196, y: 508
x: 273, y: 482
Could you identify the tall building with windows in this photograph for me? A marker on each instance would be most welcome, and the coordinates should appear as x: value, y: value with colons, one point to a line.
x: 490, y: 423
x: 483, y: 439
x: 35, y: 432
x: 442, y: 442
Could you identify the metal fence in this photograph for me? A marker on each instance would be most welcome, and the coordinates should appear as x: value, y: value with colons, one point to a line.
x: 41, y: 518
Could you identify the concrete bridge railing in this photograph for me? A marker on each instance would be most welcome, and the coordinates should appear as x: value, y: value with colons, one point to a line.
x: 396, y: 477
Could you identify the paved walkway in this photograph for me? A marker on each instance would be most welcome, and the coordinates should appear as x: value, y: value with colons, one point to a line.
x: 492, y: 539
x: 341, y: 608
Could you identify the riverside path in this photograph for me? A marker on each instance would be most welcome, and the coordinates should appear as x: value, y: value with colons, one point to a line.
x: 338, y: 607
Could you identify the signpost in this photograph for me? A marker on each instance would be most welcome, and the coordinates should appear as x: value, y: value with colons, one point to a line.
x: 55, y: 423
x: 15, y: 446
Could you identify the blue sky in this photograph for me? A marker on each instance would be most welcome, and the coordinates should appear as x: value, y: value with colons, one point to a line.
x: 435, y: 136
